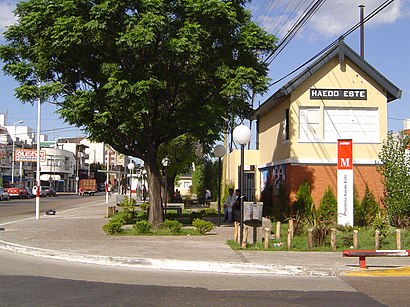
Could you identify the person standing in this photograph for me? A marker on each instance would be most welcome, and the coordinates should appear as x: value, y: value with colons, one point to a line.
x: 228, y: 205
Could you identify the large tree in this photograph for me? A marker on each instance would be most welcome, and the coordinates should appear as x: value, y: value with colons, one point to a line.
x: 137, y: 74
x: 395, y: 168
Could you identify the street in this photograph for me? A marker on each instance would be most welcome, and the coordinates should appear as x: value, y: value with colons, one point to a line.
x: 16, y: 208
x: 27, y: 280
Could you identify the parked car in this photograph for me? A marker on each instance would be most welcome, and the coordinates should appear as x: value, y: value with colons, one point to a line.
x: 3, y: 194
x: 50, y: 191
x: 17, y: 190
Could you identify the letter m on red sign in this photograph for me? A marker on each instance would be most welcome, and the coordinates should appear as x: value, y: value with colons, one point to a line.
x: 344, y: 154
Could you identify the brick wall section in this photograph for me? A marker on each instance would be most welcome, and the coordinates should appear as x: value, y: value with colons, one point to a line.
x: 321, y: 176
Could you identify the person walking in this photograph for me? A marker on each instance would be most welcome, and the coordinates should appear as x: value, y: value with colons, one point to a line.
x: 228, y: 205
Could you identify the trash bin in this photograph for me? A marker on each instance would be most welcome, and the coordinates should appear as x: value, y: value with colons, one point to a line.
x: 253, y: 213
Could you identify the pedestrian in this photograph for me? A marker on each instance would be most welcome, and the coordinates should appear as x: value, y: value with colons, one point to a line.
x: 236, y: 208
x: 207, y: 197
x: 228, y: 204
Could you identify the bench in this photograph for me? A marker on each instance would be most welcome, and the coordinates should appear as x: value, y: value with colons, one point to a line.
x: 178, y: 209
x: 362, y: 254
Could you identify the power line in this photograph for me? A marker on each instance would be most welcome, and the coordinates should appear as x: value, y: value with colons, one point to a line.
x: 331, y: 45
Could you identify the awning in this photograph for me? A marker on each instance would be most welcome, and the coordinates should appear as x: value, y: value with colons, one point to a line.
x: 46, y: 177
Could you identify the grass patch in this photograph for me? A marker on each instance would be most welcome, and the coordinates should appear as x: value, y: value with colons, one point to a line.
x: 344, y: 240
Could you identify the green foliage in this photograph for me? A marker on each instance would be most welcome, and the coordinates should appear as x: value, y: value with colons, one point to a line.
x: 145, y: 72
x: 128, y: 212
x: 173, y: 226
x: 395, y: 168
x: 303, y: 205
x: 198, y: 180
x: 328, y: 206
x: 320, y: 233
x: 370, y: 207
x: 114, y: 225
x: 207, y: 212
x: 381, y: 223
x: 359, y: 214
x: 281, y: 205
x: 142, y: 227
x: 144, y: 206
x: 202, y: 226
x: 267, y: 199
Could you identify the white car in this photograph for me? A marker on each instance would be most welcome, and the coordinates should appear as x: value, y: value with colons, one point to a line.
x: 4, y: 194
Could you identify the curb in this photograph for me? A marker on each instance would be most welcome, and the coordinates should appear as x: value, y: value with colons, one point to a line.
x: 390, y: 272
x: 165, y: 264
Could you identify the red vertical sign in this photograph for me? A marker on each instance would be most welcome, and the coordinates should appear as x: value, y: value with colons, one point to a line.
x: 344, y: 154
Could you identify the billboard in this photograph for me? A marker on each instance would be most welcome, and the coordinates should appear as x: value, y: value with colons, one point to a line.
x: 29, y: 155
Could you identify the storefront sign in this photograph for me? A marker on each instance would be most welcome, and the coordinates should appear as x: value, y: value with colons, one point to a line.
x: 340, y: 94
x: 345, y: 182
x: 29, y: 155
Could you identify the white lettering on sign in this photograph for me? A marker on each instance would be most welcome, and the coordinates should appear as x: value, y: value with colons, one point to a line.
x: 353, y: 94
x: 345, y: 162
x: 29, y: 155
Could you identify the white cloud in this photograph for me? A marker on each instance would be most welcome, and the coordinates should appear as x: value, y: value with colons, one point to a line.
x: 336, y: 17
x: 6, y: 14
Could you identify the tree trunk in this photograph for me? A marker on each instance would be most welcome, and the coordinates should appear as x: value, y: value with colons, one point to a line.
x: 156, y: 213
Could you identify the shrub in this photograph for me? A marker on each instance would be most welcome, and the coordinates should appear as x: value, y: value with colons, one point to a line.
x: 358, y: 213
x: 142, y: 227
x: 304, y: 204
x: 202, y: 226
x: 207, y: 212
x: 128, y: 212
x: 320, y: 233
x: 173, y: 226
x: 370, y: 206
x: 281, y: 204
x: 328, y: 206
x: 381, y: 223
x: 114, y: 225
x: 144, y: 206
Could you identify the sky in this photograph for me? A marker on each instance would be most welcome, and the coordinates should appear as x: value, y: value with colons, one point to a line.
x: 387, y: 49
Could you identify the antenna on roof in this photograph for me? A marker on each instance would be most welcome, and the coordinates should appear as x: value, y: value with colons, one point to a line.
x: 361, y: 6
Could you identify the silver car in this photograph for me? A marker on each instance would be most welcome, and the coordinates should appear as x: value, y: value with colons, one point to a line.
x: 4, y: 194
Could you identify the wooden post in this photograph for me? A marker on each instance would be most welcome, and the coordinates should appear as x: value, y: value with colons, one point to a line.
x: 236, y: 232
x: 310, y: 239
x: 333, y: 239
x: 355, y: 239
x: 109, y: 211
x: 398, y: 239
x: 277, y: 234
x: 289, y: 239
x: 377, y: 239
x: 266, y: 238
x: 245, y: 237
x: 291, y: 227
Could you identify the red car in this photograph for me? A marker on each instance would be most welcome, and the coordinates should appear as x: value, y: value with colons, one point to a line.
x: 17, y: 190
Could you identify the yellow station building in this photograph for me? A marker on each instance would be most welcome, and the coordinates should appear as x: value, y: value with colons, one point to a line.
x: 338, y: 96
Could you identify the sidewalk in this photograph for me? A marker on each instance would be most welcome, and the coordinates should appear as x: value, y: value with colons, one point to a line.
x: 77, y: 235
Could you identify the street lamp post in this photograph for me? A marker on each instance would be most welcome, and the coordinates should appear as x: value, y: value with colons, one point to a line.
x: 242, y: 136
x: 131, y: 167
x: 165, y: 163
x: 13, y: 156
x: 219, y: 151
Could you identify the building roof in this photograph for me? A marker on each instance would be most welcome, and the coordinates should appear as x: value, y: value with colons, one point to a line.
x: 341, y: 50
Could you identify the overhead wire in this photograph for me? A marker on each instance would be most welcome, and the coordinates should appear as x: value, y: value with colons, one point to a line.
x: 331, y: 45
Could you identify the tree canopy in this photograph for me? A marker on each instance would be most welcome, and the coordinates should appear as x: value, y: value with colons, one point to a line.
x: 395, y: 168
x: 138, y: 74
